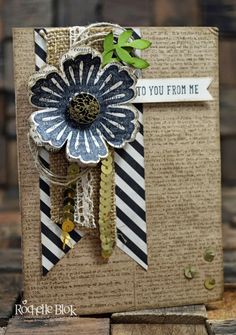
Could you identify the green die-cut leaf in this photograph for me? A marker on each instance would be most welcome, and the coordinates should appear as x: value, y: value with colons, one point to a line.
x: 123, y: 50
x: 108, y: 42
x: 129, y: 49
x: 124, y: 37
x: 106, y: 57
x: 114, y: 60
x: 124, y: 55
x: 139, y: 44
x: 140, y: 63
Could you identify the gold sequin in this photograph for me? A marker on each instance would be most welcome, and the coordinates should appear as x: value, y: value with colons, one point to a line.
x: 106, y: 185
x: 209, y: 283
x: 190, y: 272
x: 105, y: 192
x: 106, y: 253
x: 106, y: 169
x: 106, y: 246
x: 107, y: 161
x: 73, y: 169
x: 69, y: 216
x: 68, y: 209
x: 209, y: 254
x: 69, y: 201
x: 68, y: 226
x: 107, y: 236
x: 69, y: 193
x: 105, y: 177
x: 67, y: 221
x: 104, y: 208
x: 65, y: 238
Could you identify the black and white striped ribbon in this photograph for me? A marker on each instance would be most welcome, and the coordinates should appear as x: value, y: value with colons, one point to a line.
x: 52, y: 246
x: 130, y: 199
x: 130, y: 195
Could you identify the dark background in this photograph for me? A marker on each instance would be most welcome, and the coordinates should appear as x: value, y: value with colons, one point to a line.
x: 31, y: 13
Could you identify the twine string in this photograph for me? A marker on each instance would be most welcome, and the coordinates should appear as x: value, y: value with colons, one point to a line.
x: 84, y: 36
x: 48, y: 174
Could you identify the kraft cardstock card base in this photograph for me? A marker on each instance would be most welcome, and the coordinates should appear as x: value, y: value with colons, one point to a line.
x: 175, y: 257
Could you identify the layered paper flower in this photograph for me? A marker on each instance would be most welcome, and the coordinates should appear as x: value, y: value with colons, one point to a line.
x: 83, y: 106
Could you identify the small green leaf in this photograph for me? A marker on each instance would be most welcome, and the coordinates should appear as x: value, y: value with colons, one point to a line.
x: 114, y: 60
x: 124, y: 37
x: 140, y: 63
x: 122, y: 51
x: 139, y: 44
x: 106, y: 57
x: 108, y: 42
x: 124, y: 55
x: 129, y: 49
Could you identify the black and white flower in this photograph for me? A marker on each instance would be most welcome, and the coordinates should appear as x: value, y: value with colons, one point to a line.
x: 83, y: 106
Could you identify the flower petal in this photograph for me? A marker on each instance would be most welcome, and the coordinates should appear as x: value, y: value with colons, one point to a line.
x: 115, y: 85
x: 119, y: 125
x: 51, y: 126
x: 87, y: 146
x: 47, y: 88
x: 81, y: 66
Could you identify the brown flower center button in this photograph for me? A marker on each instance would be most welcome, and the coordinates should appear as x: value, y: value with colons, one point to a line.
x: 84, y: 108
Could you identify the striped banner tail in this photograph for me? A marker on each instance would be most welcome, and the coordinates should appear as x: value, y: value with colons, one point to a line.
x: 52, y: 247
x: 130, y: 195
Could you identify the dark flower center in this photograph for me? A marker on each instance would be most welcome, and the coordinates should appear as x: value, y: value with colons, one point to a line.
x: 84, y: 108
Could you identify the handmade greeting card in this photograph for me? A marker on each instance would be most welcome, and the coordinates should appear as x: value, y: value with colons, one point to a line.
x: 119, y: 166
